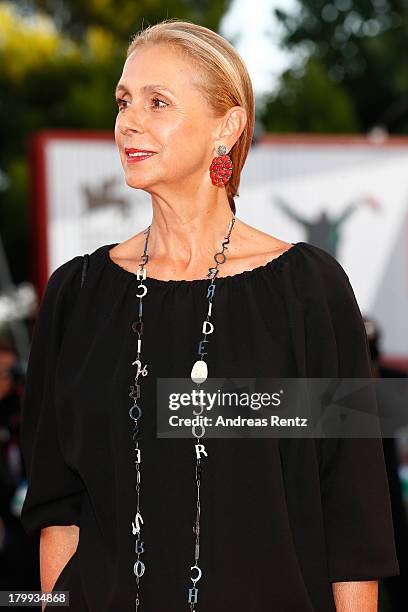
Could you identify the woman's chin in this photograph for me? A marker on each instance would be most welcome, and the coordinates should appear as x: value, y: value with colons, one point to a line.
x: 136, y: 182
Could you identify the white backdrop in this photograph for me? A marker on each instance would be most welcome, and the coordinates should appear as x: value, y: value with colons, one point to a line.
x: 286, y: 184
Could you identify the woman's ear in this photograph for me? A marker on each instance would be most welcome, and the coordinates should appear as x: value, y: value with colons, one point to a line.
x: 233, y: 124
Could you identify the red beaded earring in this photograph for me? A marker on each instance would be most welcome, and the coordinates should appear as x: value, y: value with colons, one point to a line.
x: 221, y: 167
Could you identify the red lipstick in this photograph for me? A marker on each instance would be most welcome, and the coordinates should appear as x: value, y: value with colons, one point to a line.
x: 136, y: 155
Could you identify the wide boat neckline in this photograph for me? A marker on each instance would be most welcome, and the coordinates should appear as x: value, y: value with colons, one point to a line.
x: 276, y: 261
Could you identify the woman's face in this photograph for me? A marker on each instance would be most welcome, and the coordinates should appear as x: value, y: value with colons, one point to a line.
x: 161, y: 110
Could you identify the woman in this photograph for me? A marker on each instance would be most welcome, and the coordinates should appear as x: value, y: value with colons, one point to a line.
x: 284, y: 525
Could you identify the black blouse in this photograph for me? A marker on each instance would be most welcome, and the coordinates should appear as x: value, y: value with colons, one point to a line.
x: 281, y: 518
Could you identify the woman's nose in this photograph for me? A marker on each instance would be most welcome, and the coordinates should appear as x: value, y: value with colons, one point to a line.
x: 130, y: 122
x: 127, y: 128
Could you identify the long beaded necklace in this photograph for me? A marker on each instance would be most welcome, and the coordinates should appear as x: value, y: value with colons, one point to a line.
x: 199, y: 374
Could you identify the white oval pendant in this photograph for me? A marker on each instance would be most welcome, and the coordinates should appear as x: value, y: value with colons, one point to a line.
x: 199, y: 372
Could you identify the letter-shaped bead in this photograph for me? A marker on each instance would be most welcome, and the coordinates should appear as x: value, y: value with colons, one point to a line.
x: 143, y: 289
x: 210, y: 291
x: 200, y: 448
x: 210, y: 331
x: 192, y: 595
x: 139, y: 568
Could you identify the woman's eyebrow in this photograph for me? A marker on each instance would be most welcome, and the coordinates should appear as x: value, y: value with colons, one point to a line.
x: 145, y: 88
x: 120, y: 87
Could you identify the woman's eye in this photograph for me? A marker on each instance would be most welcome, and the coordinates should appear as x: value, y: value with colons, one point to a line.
x: 120, y: 103
x: 160, y: 101
x: 156, y: 102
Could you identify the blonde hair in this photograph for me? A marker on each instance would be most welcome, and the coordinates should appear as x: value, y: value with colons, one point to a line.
x: 225, y: 80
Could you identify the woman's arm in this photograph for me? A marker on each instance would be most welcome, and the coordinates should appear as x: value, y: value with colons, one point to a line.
x: 356, y: 596
x: 57, y: 545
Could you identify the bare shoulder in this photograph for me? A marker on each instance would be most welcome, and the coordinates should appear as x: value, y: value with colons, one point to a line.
x: 254, y: 244
x: 127, y: 251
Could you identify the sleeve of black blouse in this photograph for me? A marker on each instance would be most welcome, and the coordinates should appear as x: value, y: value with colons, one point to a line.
x: 354, y: 484
x: 54, y: 490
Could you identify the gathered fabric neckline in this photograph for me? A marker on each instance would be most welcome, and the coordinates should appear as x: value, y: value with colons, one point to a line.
x: 246, y: 274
